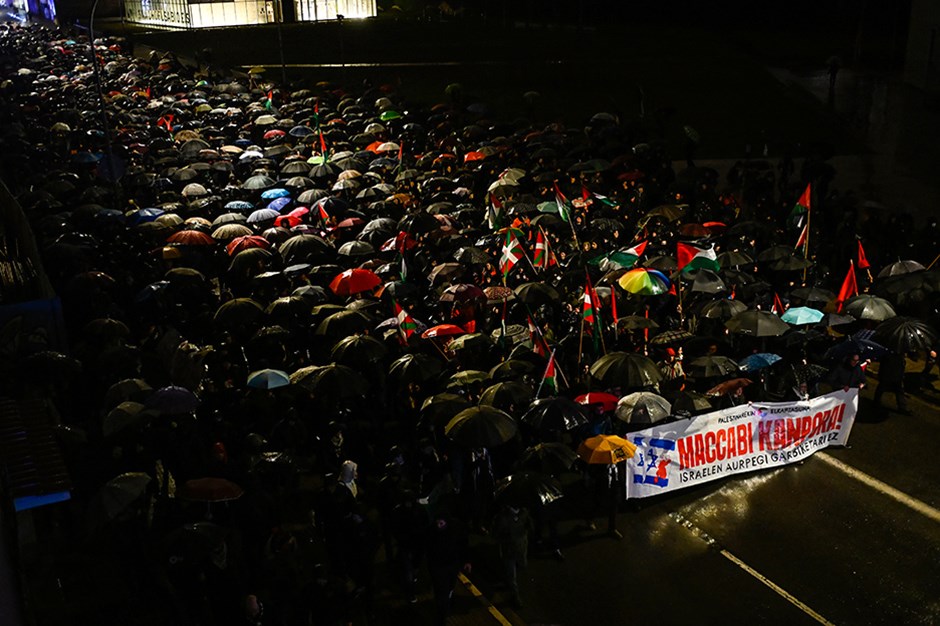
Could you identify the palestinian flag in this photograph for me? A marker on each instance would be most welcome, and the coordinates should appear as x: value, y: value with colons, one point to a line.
x: 406, y: 324
x: 512, y: 253
x: 693, y: 257
x: 622, y: 259
x: 549, y: 379
x: 802, y: 206
x: 563, y: 211
x: 494, y: 213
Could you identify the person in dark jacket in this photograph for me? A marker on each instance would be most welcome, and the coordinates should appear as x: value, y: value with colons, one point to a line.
x: 848, y: 373
x: 891, y: 378
x: 447, y: 544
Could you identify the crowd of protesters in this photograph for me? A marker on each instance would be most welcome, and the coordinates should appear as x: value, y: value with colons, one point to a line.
x: 279, y: 298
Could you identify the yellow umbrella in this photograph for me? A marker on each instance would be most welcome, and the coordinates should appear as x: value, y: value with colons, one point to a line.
x: 606, y: 449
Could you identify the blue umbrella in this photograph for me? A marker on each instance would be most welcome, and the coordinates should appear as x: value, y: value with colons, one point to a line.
x: 278, y: 204
x: 865, y: 348
x: 268, y: 379
x: 758, y: 361
x: 277, y: 192
x: 239, y: 205
x: 800, y: 315
x: 262, y: 215
x: 172, y: 400
x: 145, y: 215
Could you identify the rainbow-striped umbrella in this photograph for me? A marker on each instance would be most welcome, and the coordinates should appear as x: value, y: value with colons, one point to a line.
x: 644, y: 282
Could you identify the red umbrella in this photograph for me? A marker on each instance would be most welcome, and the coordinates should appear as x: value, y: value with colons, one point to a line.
x: 350, y: 222
x: 274, y: 133
x: 443, y: 330
x: 247, y: 241
x: 287, y: 221
x: 607, y: 401
x: 299, y: 212
x: 191, y: 238
x: 354, y: 281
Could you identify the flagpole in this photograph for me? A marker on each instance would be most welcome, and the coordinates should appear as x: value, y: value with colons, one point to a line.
x: 581, y: 337
x: 679, y: 291
x: 936, y: 258
x: 809, y: 218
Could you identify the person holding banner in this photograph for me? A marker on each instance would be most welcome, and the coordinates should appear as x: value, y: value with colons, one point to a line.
x: 848, y: 373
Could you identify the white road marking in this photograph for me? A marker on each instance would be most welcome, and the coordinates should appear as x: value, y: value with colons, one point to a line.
x: 913, y: 503
x: 783, y: 593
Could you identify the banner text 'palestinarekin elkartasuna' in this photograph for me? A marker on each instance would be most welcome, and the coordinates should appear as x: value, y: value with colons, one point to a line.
x: 740, y: 439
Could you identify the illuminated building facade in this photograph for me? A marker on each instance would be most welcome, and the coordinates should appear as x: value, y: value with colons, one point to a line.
x: 209, y: 13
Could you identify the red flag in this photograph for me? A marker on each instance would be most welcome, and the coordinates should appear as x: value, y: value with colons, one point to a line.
x: 778, y: 307
x: 322, y: 144
x: 585, y: 194
x: 849, y: 287
x: 862, y: 261
x: 401, y: 151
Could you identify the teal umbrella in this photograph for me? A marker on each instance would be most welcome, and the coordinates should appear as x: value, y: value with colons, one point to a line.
x: 800, y: 315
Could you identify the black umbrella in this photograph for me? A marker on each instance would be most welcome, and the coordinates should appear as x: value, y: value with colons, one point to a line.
x: 439, y: 409
x: 722, y: 309
x: 626, y: 370
x: 757, y: 324
x: 358, y: 350
x: 554, y: 414
x: 689, y: 403
x: 508, y: 395
x: 548, y: 458
x: 712, y: 366
x: 813, y: 295
x: 344, y: 323
x: 535, y: 294
x: 481, y: 427
x: 868, y: 307
x: 905, y: 334
x: 527, y: 489
x: 415, y: 368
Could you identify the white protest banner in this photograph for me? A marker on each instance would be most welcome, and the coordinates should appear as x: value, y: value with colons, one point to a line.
x: 740, y: 439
